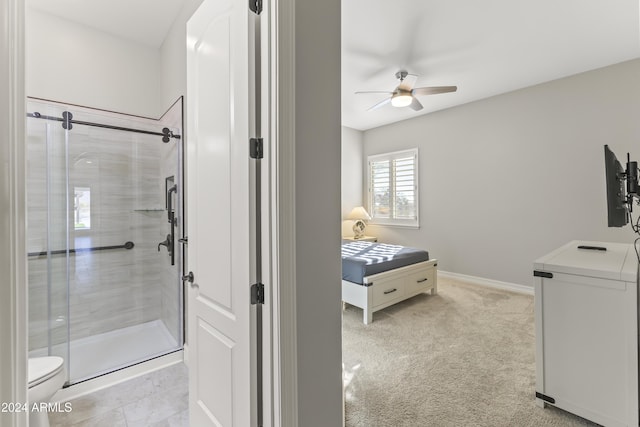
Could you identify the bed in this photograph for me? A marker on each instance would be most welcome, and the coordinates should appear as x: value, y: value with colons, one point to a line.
x: 377, y: 275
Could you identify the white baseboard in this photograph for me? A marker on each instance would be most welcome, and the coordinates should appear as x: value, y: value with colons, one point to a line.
x: 513, y: 287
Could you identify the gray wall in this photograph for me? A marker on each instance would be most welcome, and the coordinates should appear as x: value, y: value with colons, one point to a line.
x: 507, y: 179
x: 317, y: 212
x: 351, y: 174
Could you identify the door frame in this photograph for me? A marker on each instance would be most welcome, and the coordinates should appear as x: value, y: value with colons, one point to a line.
x: 281, y: 82
x: 297, y: 27
x: 13, y: 262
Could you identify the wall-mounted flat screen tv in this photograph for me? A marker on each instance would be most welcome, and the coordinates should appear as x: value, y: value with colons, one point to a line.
x: 616, y: 191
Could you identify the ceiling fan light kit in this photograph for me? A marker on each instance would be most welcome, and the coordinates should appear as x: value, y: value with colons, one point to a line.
x: 401, y: 99
x: 404, y: 94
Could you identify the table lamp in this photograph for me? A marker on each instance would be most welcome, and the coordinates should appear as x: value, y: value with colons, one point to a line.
x: 360, y: 215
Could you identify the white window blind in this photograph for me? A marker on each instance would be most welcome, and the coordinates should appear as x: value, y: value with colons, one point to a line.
x: 393, y: 188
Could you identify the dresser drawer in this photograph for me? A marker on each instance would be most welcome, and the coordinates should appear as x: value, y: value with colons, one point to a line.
x: 387, y: 291
x: 420, y: 281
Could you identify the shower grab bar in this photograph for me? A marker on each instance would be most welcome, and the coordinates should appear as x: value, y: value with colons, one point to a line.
x: 68, y: 122
x: 127, y: 245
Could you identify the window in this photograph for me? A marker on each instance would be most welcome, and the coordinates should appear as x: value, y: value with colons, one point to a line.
x: 393, y: 188
x: 82, y: 208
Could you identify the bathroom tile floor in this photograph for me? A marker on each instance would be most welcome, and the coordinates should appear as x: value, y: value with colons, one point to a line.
x: 157, y: 399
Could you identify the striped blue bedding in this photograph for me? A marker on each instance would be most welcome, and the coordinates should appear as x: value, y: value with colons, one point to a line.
x: 362, y: 259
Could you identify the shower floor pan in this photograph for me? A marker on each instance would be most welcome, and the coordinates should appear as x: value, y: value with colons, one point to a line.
x: 103, y: 353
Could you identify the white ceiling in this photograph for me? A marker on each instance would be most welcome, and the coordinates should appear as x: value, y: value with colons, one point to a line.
x: 143, y: 21
x: 485, y: 47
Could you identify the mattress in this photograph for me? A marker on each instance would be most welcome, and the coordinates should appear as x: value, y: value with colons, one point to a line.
x: 362, y: 259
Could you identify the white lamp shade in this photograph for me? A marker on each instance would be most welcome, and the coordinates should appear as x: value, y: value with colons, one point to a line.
x: 359, y: 213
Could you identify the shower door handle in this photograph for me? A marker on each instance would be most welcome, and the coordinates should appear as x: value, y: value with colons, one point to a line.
x: 170, y: 211
x: 172, y: 223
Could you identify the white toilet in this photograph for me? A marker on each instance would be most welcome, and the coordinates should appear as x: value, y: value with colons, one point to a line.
x: 46, y: 377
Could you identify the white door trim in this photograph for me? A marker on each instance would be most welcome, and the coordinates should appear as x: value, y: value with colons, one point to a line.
x: 13, y: 263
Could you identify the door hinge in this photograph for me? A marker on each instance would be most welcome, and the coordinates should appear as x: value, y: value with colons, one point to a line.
x: 257, y: 293
x: 255, y: 148
x: 255, y: 6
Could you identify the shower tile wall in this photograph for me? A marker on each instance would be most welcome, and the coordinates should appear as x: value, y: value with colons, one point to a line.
x: 108, y: 289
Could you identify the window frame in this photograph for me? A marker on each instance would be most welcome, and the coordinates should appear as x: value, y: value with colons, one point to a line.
x: 390, y: 156
x: 76, y: 208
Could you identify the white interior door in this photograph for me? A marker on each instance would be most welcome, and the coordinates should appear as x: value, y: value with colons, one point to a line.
x: 220, y: 248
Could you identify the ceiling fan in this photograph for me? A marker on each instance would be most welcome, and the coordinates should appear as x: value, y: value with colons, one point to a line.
x: 405, y: 94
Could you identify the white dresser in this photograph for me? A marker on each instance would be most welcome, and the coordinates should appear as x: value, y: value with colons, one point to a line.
x: 586, y: 320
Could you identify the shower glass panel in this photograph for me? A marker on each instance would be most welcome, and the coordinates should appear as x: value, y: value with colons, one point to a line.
x: 111, y: 288
x: 48, y: 239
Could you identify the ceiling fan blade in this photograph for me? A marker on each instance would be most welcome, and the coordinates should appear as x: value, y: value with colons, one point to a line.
x: 374, y: 91
x: 408, y: 82
x: 415, y: 105
x: 380, y: 104
x: 433, y: 90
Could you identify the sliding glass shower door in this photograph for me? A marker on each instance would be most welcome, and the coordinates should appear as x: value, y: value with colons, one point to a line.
x: 112, y: 211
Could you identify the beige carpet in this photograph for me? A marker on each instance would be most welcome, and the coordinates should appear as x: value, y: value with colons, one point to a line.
x: 464, y: 357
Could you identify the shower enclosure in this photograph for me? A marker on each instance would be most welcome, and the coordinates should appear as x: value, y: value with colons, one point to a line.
x: 104, y: 220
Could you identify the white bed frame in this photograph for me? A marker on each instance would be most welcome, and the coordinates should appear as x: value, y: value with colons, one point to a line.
x: 390, y: 287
